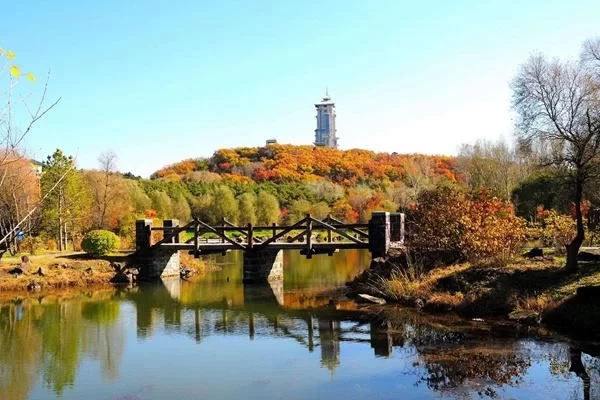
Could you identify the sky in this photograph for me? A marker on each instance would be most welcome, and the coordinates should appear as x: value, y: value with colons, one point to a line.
x: 160, y: 81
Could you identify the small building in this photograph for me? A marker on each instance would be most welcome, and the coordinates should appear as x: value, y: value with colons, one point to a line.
x: 325, y: 134
x: 270, y: 142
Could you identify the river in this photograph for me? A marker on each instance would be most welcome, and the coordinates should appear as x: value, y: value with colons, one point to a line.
x: 216, y: 339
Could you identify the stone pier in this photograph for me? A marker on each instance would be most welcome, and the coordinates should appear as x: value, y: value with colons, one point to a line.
x: 262, y: 266
x: 397, y: 227
x: 379, y: 234
x: 156, y: 263
x: 159, y: 263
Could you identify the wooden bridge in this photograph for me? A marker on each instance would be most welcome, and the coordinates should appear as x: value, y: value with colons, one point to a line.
x: 262, y: 245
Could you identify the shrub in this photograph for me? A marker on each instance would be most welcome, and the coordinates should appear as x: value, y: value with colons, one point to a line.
x: 557, y: 230
x: 475, y: 226
x: 100, y: 242
x: 31, y: 244
x: 51, y: 245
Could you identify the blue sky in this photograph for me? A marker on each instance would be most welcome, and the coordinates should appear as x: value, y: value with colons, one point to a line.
x: 157, y: 82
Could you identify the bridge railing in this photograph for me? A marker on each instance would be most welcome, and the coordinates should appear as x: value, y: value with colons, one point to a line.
x: 383, y: 229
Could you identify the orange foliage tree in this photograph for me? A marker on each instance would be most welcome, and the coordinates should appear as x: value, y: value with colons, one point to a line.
x: 475, y: 226
x: 288, y: 163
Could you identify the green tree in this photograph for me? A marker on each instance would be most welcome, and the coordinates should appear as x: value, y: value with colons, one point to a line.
x: 68, y: 202
x: 545, y: 187
x: 247, y: 207
x: 161, y: 202
x: 224, y: 205
x: 298, y: 210
x: 201, y: 207
x: 320, y: 210
x: 267, y: 208
x: 182, y: 210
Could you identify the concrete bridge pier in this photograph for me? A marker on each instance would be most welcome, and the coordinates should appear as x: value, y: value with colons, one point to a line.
x: 156, y: 263
x: 263, y: 265
x: 385, y: 229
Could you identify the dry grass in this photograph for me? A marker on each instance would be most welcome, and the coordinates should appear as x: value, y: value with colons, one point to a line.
x: 58, y: 273
x: 445, y: 300
x: 412, y: 282
x: 199, y: 266
x: 538, y: 304
x: 539, y: 286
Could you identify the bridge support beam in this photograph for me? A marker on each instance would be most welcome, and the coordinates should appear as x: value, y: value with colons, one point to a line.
x: 379, y: 233
x: 262, y: 265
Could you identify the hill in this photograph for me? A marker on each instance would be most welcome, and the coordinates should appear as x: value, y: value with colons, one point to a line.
x: 287, y: 163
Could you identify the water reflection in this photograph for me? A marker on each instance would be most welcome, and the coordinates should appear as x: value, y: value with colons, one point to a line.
x: 48, y: 338
x: 220, y: 339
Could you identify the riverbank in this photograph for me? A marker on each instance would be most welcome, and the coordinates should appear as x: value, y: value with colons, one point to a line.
x: 531, y: 291
x: 57, y: 271
x: 52, y: 272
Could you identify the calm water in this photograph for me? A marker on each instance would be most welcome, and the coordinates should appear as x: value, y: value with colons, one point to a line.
x: 216, y: 339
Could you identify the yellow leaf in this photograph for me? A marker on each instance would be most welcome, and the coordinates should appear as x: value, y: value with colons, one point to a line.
x: 15, y: 71
x: 10, y: 55
x: 31, y: 76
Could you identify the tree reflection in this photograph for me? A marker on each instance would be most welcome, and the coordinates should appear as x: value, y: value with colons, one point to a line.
x: 52, y: 339
x: 472, y: 367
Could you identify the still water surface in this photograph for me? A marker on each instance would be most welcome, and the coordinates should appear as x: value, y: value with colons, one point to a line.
x: 215, y: 339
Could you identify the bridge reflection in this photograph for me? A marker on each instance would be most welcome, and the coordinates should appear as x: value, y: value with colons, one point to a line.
x: 254, y: 312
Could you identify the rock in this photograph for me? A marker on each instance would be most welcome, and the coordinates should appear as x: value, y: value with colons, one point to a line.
x: 535, y: 252
x: 371, y: 299
x: 89, y: 271
x: 589, y: 293
x: 478, y: 319
x: 25, y: 264
x: 525, y: 317
x: 186, y: 273
x: 34, y: 287
x: 116, y: 267
x: 419, y: 304
x: 122, y: 278
x: 16, y: 271
x: 41, y: 272
x: 378, y: 260
x: 587, y: 256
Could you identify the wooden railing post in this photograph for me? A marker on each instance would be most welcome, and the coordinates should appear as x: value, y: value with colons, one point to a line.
x: 274, y: 229
x: 196, y: 239
x: 222, y: 230
x: 328, y: 219
x: 309, y: 236
x: 250, y: 236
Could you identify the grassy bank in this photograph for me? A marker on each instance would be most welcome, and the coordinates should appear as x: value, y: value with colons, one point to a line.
x: 74, y: 270
x: 58, y: 271
x: 527, y: 290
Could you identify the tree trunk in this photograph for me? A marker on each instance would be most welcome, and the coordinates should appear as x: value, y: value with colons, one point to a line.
x: 60, y: 223
x: 579, y: 369
x: 575, y: 245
